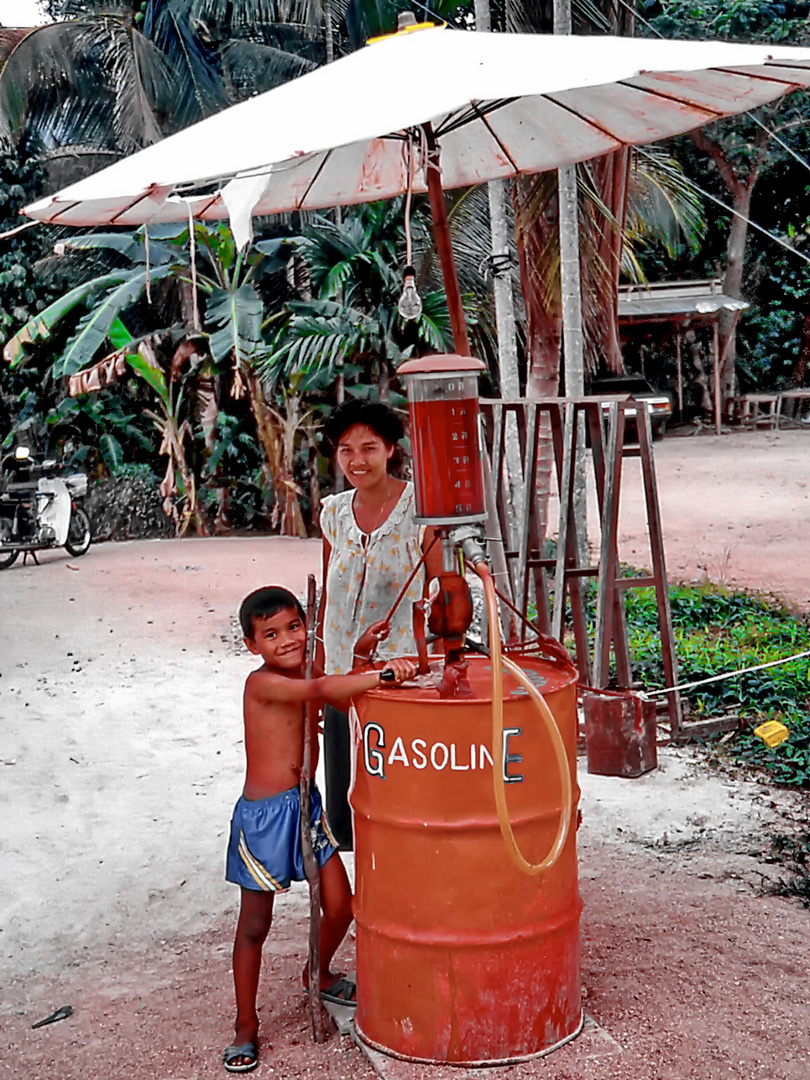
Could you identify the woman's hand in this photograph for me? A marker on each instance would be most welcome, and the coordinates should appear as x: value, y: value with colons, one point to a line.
x: 366, y: 645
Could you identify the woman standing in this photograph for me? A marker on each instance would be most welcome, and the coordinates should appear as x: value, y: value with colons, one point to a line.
x: 371, y: 545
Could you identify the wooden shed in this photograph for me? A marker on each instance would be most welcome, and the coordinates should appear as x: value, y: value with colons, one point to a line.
x: 681, y: 305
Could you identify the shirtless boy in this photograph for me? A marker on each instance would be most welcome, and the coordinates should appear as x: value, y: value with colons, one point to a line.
x: 264, y: 853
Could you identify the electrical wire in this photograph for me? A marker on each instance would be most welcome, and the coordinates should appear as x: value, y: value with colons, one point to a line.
x: 736, y: 213
x: 408, y: 197
x: 782, y: 143
x: 633, y: 11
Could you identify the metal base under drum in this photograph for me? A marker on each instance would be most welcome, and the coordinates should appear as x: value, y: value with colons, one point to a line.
x: 367, y: 1044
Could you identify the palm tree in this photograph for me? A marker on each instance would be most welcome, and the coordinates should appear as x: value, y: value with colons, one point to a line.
x: 112, y: 76
x: 351, y: 318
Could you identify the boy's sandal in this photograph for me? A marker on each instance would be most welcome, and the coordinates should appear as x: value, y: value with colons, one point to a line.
x: 342, y: 992
x: 246, y: 1050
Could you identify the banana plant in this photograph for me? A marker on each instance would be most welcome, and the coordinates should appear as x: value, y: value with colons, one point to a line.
x: 231, y: 311
x: 158, y: 269
x: 175, y: 433
x: 168, y: 375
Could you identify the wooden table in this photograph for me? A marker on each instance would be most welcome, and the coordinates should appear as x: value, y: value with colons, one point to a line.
x: 794, y: 399
x: 759, y: 410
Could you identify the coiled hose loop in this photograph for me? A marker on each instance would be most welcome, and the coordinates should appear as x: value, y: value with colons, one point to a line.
x: 499, y: 662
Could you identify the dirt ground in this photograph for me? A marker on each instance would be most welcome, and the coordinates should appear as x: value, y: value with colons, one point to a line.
x: 121, y: 757
x: 735, y: 509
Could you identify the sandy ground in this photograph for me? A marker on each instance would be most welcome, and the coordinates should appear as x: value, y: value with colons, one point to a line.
x: 121, y: 756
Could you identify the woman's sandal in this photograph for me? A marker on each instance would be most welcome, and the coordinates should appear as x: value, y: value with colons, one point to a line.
x: 246, y: 1050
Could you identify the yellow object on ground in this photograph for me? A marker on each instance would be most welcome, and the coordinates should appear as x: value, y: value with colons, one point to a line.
x: 772, y: 732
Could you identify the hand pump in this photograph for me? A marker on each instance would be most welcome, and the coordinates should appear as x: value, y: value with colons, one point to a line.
x: 449, y: 489
x: 448, y: 902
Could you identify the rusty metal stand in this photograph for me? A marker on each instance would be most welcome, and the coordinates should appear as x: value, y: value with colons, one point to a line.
x: 525, y: 556
x: 611, y: 585
x: 526, y: 559
x: 320, y: 1021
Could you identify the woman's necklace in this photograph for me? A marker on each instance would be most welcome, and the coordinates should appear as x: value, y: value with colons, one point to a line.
x: 381, y: 513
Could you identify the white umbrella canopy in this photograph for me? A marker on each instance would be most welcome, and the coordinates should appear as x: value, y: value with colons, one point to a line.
x: 500, y: 105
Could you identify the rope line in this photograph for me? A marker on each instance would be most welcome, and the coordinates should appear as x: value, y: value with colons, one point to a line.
x: 728, y: 675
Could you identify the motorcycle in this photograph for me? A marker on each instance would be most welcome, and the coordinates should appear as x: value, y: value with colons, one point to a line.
x: 39, y: 508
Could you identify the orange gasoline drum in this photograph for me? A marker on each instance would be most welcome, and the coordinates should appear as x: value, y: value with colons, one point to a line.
x: 461, y: 957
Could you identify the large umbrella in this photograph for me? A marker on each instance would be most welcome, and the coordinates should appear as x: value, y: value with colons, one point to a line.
x: 431, y: 109
x: 499, y: 105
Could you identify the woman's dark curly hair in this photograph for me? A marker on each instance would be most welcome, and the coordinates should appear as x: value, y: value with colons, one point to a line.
x: 382, y: 420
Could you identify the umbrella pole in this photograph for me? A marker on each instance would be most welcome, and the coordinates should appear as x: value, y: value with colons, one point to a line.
x: 444, y: 244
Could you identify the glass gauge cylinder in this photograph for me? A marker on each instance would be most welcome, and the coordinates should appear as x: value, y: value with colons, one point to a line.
x: 445, y: 438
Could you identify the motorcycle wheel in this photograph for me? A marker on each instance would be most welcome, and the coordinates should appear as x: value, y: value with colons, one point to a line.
x: 8, y: 558
x: 79, y: 536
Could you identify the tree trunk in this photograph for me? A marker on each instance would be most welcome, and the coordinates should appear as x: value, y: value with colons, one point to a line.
x: 207, y: 412
x: 701, y: 378
x: 536, y: 225
x: 573, y: 342
x: 611, y: 175
x: 732, y: 286
x: 799, y: 372
x: 741, y: 188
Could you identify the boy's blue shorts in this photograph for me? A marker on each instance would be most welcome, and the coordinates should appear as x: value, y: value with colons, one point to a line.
x: 264, y: 851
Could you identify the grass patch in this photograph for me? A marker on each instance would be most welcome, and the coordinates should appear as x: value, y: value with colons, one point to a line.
x: 718, y: 631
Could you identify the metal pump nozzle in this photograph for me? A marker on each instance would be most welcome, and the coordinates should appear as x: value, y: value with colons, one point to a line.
x: 470, y: 538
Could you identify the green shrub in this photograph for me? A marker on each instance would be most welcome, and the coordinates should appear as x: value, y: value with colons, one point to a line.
x: 718, y: 631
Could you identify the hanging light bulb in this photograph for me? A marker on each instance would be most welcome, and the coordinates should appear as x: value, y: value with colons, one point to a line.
x: 410, y: 303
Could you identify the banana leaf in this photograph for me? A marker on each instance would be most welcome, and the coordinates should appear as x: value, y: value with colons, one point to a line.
x: 237, y: 315
x: 130, y: 245
x: 94, y: 329
x: 119, y: 335
x: 39, y: 328
x: 111, y: 451
x: 151, y: 374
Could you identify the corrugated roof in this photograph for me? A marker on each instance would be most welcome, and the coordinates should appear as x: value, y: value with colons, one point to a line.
x: 675, y: 298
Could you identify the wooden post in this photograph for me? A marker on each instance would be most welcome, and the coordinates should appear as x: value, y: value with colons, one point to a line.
x: 679, y: 369
x: 607, y: 629
x: 717, y: 403
x: 656, y: 533
x: 444, y: 244
x: 319, y: 1019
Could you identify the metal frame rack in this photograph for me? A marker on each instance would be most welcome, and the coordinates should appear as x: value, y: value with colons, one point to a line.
x: 527, y: 569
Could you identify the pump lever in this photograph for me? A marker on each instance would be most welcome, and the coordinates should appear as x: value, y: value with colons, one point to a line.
x: 419, y: 635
